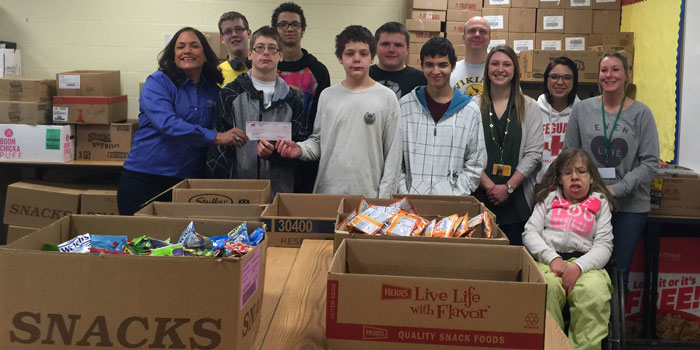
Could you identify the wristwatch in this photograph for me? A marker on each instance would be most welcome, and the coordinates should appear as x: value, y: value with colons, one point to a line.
x: 509, y: 189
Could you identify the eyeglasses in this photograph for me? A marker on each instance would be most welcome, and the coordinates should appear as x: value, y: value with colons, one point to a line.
x: 567, y: 78
x: 238, y: 30
x: 261, y: 49
x: 284, y: 25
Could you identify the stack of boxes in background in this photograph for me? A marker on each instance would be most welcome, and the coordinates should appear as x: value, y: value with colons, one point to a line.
x: 548, y: 27
x: 93, y: 101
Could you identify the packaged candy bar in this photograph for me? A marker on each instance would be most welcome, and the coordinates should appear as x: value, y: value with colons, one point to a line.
x: 144, y: 244
x: 188, y: 234
x: 235, y: 249
x: 79, y: 244
x: 257, y: 236
x: 107, y: 244
x: 240, y: 234
x: 445, y: 226
x: 405, y: 204
x: 171, y: 250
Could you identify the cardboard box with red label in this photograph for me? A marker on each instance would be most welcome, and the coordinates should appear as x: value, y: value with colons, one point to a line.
x: 420, y: 295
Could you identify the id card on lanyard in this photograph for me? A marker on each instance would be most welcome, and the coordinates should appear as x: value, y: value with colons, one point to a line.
x: 609, y: 172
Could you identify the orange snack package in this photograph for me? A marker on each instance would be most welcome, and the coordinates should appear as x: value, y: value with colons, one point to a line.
x: 445, y: 226
x: 461, y: 226
x: 405, y: 204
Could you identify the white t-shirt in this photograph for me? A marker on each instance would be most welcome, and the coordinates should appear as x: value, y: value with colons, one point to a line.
x: 267, y: 88
x: 468, y: 78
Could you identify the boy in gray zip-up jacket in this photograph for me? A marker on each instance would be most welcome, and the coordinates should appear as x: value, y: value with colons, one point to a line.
x: 241, y: 101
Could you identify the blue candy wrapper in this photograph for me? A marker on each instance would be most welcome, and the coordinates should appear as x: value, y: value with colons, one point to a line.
x: 108, y: 242
x: 257, y: 236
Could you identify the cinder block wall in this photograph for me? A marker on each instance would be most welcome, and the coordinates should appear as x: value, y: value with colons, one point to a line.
x: 127, y: 35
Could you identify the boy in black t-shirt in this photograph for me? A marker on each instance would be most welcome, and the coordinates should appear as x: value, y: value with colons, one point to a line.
x: 392, y: 49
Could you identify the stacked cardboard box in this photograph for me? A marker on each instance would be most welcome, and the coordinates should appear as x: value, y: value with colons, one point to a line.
x: 458, y: 13
x: 26, y: 101
x: 32, y: 205
x: 92, y: 99
x: 427, y: 21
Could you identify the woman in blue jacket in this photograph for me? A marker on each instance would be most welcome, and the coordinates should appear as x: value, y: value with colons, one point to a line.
x: 175, y: 116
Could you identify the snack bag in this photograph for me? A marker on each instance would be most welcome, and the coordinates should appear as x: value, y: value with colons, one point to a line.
x: 405, y: 204
x: 445, y: 226
x: 107, y: 244
x: 171, y: 250
x: 79, y: 244
x: 235, y: 249
x: 488, y: 228
x: 421, y: 224
x: 401, y: 225
x: 428, y: 231
x: 257, y: 236
x: 371, y: 220
x: 188, y: 234
x: 473, y: 224
x: 461, y: 226
x: 343, y: 225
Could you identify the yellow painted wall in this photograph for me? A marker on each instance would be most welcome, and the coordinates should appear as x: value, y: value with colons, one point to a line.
x: 127, y: 35
x: 655, y: 25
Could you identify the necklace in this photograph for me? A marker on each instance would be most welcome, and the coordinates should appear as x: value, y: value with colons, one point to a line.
x: 505, y: 135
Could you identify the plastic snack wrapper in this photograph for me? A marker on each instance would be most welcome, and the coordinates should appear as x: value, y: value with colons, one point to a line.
x: 236, y: 249
x: 107, y: 244
x: 363, y: 206
x: 405, y: 204
x: 428, y: 232
x: 371, y: 220
x: 171, y: 250
x: 473, y: 224
x: 462, y: 226
x: 488, y: 228
x: 79, y: 244
x: 257, y: 236
x: 401, y: 225
x: 444, y: 227
x: 144, y: 244
x: 189, y: 234
x: 343, y: 225
x: 421, y: 224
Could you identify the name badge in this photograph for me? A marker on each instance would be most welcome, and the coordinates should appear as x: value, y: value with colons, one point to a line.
x: 501, y: 170
x: 607, y: 173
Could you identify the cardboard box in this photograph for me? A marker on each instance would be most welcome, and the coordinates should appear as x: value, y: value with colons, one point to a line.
x: 550, y: 20
x: 104, y: 142
x: 433, y: 296
x: 579, y: 4
x: 462, y: 15
x: 521, y: 41
x: 617, y: 39
x: 606, y: 4
x: 678, y: 309
x: 16, y: 232
x: 36, y: 143
x: 549, y: 41
x: 525, y: 3
x: 536, y: 61
x: 606, y: 21
x: 428, y: 207
x: 464, y: 4
x: 455, y: 38
x: 99, y: 202
x: 429, y: 15
x: 522, y: 20
x: 552, y: 4
x: 675, y: 195
x: 222, y: 191
x: 413, y: 59
x: 27, y: 90
x: 215, y: 42
x: 421, y: 37
x: 293, y: 217
x: 578, y: 21
x: 454, y: 27
x: 238, y: 212
x: 497, y: 18
x: 418, y: 25
x: 430, y: 4
x: 89, y: 83
x: 498, y: 38
x: 32, y: 113
x: 575, y: 42
x: 37, y: 204
x: 120, y: 300
x: 496, y: 3
x: 460, y: 50
x: 89, y: 109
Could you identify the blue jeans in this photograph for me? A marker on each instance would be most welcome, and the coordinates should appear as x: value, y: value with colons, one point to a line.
x: 627, y: 229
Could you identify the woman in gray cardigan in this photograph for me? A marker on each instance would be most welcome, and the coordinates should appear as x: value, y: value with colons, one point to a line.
x: 620, y: 135
x: 514, y: 143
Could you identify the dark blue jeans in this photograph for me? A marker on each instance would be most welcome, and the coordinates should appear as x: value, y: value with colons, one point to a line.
x: 136, y: 188
x: 627, y: 229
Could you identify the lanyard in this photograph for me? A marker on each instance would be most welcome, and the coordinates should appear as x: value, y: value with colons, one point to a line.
x: 608, y: 139
x: 493, y: 135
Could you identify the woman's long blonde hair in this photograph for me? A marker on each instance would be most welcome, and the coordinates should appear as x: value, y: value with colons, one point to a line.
x: 515, y: 92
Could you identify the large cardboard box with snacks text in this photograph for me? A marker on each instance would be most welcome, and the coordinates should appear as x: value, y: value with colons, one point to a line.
x: 37, y: 204
x: 222, y: 191
x: 68, y: 301
x: 293, y: 217
x: 239, y: 212
x: 428, y: 207
x: 102, y: 201
x: 438, y: 296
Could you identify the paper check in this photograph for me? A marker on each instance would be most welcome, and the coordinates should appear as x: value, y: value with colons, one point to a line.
x: 271, y: 131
